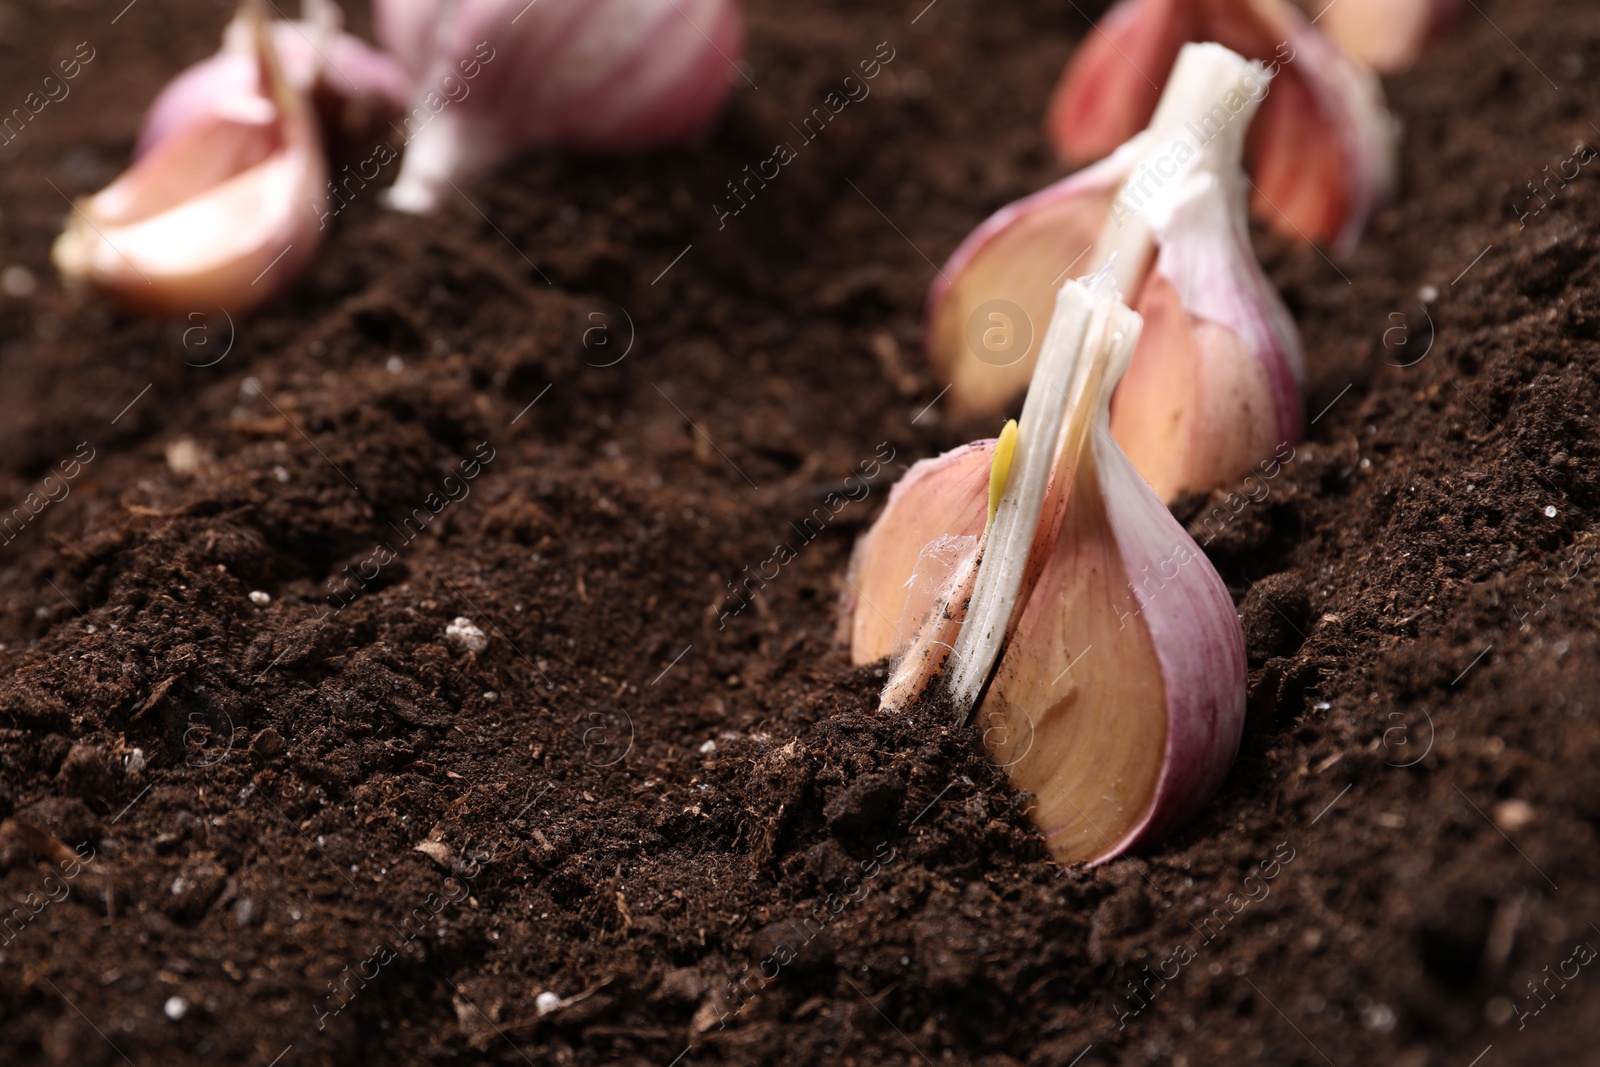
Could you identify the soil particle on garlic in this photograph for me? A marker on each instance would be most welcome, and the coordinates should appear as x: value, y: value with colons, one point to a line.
x: 464, y: 636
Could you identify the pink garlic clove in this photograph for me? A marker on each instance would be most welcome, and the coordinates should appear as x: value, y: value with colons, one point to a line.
x: 496, y: 77
x: 894, y: 579
x: 1217, y: 379
x: 357, y: 89
x: 1016, y: 259
x: 222, y: 211
x: 1324, y: 155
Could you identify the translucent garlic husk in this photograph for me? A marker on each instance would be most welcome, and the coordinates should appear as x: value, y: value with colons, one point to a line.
x: 1099, y: 648
x: 1323, y: 156
x: 222, y: 211
x: 1217, y: 382
x: 602, y: 76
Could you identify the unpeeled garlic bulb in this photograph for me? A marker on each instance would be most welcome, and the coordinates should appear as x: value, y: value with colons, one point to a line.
x: 1099, y: 647
x: 1216, y: 384
x: 592, y: 75
x: 1388, y: 35
x: 222, y: 210
x: 1323, y: 154
x: 356, y: 88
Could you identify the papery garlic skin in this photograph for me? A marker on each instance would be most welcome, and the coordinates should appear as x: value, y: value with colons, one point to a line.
x: 1325, y: 154
x: 1218, y: 379
x: 356, y: 87
x: 222, y: 211
x: 592, y: 75
x: 893, y: 581
x: 1388, y: 35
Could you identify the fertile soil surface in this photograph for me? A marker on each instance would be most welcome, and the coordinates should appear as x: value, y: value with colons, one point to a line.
x: 635, y: 827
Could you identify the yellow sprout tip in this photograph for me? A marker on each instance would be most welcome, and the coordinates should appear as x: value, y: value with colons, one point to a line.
x: 1000, y: 469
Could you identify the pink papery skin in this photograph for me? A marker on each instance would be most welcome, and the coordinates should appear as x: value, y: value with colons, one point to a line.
x: 354, y: 72
x: 594, y: 75
x: 943, y: 495
x: 1197, y: 639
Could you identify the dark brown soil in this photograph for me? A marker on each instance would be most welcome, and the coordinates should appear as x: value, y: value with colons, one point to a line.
x: 647, y: 815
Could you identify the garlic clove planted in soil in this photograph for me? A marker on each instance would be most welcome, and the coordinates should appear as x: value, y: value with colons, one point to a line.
x: 1099, y: 647
x: 221, y: 211
x: 1324, y: 154
x: 356, y: 88
x: 1389, y: 35
x: 492, y: 78
x: 1217, y: 379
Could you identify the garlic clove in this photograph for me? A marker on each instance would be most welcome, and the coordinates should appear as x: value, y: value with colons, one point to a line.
x: 1014, y: 262
x: 356, y: 87
x: 1325, y: 154
x: 1110, y: 88
x: 1388, y: 35
x: 894, y: 578
x: 1326, y: 151
x: 223, y: 210
x: 1218, y: 377
x: 503, y: 76
x: 1101, y: 650
x: 1120, y: 700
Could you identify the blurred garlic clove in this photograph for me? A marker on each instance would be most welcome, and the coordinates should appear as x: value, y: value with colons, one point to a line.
x: 1112, y: 84
x: 1217, y: 381
x: 496, y: 77
x: 223, y: 210
x: 1015, y: 260
x: 1324, y: 153
x: 1389, y: 35
x: 356, y: 88
x: 1099, y: 647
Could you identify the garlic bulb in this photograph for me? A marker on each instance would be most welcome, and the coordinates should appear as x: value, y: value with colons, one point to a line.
x: 357, y: 89
x: 1217, y: 381
x: 1388, y: 35
x: 496, y: 77
x: 1323, y: 155
x: 1100, y: 649
x: 223, y: 210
